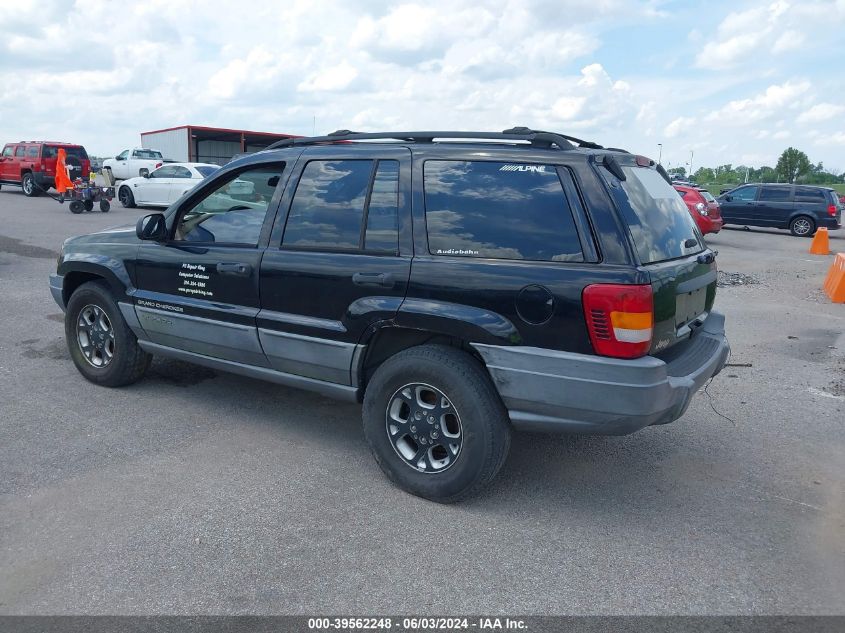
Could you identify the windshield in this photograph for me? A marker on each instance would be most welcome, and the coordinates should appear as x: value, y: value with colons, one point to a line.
x: 206, y: 171
x: 51, y: 151
x: 659, y: 221
x: 147, y: 154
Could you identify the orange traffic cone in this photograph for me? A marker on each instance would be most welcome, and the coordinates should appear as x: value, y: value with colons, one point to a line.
x: 821, y: 243
x: 834, y: 284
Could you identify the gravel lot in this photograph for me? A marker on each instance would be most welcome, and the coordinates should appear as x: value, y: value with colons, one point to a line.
x: 198, y: 492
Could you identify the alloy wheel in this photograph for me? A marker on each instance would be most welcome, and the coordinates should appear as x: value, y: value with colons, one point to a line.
x: 95, y: 336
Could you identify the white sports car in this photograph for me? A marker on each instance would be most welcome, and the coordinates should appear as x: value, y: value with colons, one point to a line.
x: 163, y: 186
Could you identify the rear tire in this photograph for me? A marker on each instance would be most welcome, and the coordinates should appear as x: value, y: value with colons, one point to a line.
x: 105, y: 206
x: 438, y: 457
x: 30, y: 189
x: 101, y: 345
x: 802, y: 226
x: 124, y: 194
x: 89, y: 205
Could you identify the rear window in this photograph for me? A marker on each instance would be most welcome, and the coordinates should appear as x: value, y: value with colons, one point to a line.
x: 499, y: 210
x: 659, y: 221
x: 707, y: 195
x: 51, y: 151
x: 207, y: 171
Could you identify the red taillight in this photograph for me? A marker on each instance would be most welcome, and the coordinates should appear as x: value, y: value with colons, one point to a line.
x: 159, y: 165
x: 831, y: 210
x: 620, y: 319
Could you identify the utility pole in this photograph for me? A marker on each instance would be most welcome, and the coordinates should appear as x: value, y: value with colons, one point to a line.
x: 660, y: 153
x: 690, y: 163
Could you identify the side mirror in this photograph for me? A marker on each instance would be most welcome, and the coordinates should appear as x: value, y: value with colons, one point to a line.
x: 151, y: 227
x: 146, y: 174
x: 728, y: 198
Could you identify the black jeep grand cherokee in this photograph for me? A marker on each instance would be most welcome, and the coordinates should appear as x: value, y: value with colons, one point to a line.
x: 459, y: 284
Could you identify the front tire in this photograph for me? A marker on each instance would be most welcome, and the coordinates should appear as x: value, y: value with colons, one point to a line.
x: 802, y: 226
x: 101, y: 345
x: 30, y: 190
x: 124, y: 194
x: 435, y: 424
x: 76, y: 206
x: 105, y: 206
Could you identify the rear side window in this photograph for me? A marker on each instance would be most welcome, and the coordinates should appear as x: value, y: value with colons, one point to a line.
x: 345, y: 205
x: 32, y: 152
x: 808, y: 194
x: 775, y: 194
x: 659, y: 221
x: 51, y: 151
x: 499, y: 210
x: 19, y: 150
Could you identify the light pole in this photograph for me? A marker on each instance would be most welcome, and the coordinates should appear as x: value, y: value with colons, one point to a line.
x: 659, y: 153
x: 690, y: 163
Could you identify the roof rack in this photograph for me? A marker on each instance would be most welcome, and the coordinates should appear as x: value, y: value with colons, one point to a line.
x: 544, y: 140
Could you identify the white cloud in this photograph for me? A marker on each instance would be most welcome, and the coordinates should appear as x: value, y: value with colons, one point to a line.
x: 678, y: 126
x: 769, y: 103
x: 821, y: 112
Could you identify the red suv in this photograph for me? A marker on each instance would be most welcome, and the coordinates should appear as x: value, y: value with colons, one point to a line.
x: 32, y: 165
x: 703, y: 207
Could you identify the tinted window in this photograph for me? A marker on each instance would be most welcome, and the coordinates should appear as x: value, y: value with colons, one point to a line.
x: 500, y: 210
x: 206, y: 171
x: 32, y: 152
x: 233, y: 212
x: 51, y: 151
x: 382, y: 212
x: 744, y: 194
x: 775, y: 194
x: 19, y: 150
x: 328, y: 206
x: 808, y: 194
x: 164, y: 172
x: 660, y: 223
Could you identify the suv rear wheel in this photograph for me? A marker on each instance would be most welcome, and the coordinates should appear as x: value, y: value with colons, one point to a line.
x: 435, y: 423
x: 28, y: 185
x: 101, y: 345
x: 802, y: 226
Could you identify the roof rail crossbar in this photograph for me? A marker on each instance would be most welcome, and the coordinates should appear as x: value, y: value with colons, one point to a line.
x: 537, y: 139
x: 573, y: 139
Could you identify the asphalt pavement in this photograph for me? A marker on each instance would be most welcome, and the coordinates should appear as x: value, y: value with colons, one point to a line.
x: 199, y: 492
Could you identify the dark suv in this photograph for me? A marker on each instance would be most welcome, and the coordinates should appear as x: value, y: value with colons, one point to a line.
x: 800, y: 208
x: 459, y: 284
x: 32, y: 165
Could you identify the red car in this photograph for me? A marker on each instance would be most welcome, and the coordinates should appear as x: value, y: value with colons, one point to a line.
x: 32, y: 165
x: 703, y: 208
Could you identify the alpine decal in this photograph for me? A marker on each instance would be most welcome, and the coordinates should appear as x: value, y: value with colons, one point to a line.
x: 537, y: 169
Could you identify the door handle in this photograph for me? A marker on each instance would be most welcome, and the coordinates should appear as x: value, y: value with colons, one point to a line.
x: 235, y: 269
x: 373, y: 279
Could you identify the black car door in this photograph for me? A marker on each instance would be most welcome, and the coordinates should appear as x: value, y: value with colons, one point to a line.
x: 774, y: 206
x: 737, y: 206
x: 198, y: 291
x: 336, y: 263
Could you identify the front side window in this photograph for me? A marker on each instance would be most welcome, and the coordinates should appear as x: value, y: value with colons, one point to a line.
x: 744, y: 194
x: 775, y: 194
x: 123, y: 155
x: 164, y: 172
x: 234, y: 211
x: 8, y: 151
x: 499, y: 210
x: 181, y: 172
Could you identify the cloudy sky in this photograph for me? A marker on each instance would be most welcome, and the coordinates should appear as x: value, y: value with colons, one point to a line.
x: 733, y: 81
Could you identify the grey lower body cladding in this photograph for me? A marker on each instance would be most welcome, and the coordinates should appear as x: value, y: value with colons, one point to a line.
x: 553, y: 391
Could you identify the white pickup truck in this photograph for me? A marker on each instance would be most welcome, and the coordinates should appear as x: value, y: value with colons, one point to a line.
x: 131, y: 163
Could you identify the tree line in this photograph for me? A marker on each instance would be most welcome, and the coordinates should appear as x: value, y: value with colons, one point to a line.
x: 792, y: 166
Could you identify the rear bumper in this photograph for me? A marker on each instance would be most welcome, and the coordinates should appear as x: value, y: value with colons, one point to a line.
x: 830, y: 222
x: 553, y: 391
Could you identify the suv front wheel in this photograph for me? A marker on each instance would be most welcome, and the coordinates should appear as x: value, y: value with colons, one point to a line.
x: 435, y: 424
x: 101, y: 345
